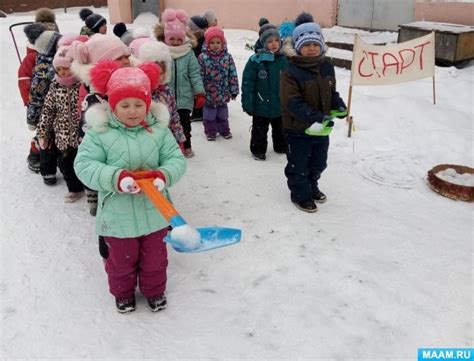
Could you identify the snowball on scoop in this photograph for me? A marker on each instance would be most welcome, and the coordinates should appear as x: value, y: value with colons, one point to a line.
x: 187, y: 236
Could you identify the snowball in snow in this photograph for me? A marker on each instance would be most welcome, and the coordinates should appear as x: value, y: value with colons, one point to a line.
x: 187, y: 236
x: 450, y: 175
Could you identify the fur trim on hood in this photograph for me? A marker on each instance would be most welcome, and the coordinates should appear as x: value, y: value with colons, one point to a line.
x: 45, y: 15
x: 159, y: 32
x: 199, y: 34
x: 287, y: 48
x: 161, y: 113
x: 192, y: 38
x: 97, y: 119
x: 82, y: 71
x: 157, y: 51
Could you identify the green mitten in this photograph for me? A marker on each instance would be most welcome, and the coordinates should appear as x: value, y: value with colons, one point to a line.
x: 320, y: 130
x: 339, y: 113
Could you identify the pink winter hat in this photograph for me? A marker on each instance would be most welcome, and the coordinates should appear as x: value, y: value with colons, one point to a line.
x: 97, y: 48
x: 214, y: 32
x: 109, y: 78
x: 62, y: 58
x: 175, y: 24
x: 140, y: 37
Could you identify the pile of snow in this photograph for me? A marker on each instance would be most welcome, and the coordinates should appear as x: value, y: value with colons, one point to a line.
x: 450, y: 175
x: 363, y: 278
x: 187, y: 237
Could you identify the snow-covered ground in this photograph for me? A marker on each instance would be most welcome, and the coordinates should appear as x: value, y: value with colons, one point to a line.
x: 383, y: 268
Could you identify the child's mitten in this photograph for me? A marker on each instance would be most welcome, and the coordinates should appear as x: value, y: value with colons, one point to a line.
x: 159, y: 184
x: 160, y: 180
x: 339, y: 113
x: 321, y: 129
x: 127, y: 184
x: 199, y: 101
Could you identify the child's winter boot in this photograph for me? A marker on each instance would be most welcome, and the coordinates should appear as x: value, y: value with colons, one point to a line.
x: 188, y: 153
x: 125, y: 304
x: 227, y: 135
x: 319, y: 197
x: 50, y: 179
x: 157, y: 303
x: 307, y: 206
x: 259, y: 156
x: 34, y: 156
x: 72, y: 197
x: 92, y: 201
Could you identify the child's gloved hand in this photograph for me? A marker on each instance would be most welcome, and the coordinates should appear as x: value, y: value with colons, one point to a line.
x: 340, y: 113
x: 127, y: 184
x: 321, y: 129
x: 159, y: 184
x: 160, y: 180
x: 199, y: 101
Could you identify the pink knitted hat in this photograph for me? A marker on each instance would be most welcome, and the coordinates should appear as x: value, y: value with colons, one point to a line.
x: 69, y: 38
x: 214, y: 32
x: 175, y: 24
x: 62, y: 58
x: 97, y: 48
x: 109, y: 78
x: 136, y: 44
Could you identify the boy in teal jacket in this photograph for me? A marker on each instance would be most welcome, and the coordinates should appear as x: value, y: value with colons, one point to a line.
x: 130, y: 135
x: 260, y: 92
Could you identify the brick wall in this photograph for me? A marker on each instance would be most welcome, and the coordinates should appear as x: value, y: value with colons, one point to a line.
x: 10, y: 6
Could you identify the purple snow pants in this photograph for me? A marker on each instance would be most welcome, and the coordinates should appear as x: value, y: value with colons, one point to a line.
x: 142, y: 257
x: 215, y: 120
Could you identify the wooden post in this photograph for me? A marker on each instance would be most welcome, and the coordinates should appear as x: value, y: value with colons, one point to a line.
x: 434, y: 91
x: 349, y: 130
x: 349, y: 117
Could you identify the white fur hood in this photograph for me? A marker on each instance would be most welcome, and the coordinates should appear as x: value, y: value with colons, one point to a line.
x: 98, y: 116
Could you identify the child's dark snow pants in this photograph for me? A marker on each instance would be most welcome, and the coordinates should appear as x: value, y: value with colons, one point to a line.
x: 307, y: 159
x: 144, y: 258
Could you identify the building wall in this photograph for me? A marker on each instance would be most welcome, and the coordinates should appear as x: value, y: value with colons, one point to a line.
x: 10, y: 6
x: 244, y: 14
x: 446, y: 12
x: 241, y: 14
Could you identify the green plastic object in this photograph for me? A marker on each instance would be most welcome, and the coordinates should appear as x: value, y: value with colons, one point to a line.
x: 338, y: 114
x: 327, y: 129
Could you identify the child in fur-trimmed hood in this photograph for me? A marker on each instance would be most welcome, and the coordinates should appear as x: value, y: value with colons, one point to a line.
x: 128, y: 134
x: 185, y: 82
x: 155, y: 51
x: 58, y: 127
x: 85, y: 55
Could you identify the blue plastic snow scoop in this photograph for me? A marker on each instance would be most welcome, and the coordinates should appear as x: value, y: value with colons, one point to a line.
x: 211, y: 237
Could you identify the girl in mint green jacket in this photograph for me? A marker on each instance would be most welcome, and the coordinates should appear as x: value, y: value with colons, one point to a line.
x: 130, y: 134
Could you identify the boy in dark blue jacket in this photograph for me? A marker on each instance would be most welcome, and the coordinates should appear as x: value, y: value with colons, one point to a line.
x: 308, y: 96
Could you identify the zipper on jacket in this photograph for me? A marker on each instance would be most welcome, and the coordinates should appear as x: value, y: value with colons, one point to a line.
x: 108, y: 195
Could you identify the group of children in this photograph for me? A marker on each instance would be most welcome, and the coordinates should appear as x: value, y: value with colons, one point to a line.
x: 109, y: 110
